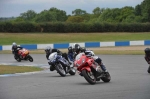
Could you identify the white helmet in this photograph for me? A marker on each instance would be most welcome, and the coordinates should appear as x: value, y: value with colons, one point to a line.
x: 89, y: 52
x: 14, y: 43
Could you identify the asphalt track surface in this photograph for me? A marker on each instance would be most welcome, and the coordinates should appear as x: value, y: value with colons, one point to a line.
x: 130, y: 80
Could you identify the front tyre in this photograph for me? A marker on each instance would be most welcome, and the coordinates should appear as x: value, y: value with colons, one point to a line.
x: 106, y: 77
x: 30, y: 58
x: 59, y: 68
x: 148, y: 69
x: 17, y: 58
x: 72, y: 71
x: 89, y: 76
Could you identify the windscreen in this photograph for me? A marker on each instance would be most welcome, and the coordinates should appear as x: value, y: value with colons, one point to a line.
x: 78, y: 56
x: 52, y: 56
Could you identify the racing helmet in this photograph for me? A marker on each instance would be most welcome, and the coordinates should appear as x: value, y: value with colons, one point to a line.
x: 14, y: 45
x: 76, y: 48
x: 70, y: 49
x: 48, y: 49
x: 89, y: 53
x: 147, y: 51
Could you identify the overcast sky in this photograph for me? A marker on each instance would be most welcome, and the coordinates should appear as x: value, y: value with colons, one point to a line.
x: 9, y: 8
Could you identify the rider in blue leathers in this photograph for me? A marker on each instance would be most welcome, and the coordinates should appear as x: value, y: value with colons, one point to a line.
x: 49, y: 50
x: 70, y: 53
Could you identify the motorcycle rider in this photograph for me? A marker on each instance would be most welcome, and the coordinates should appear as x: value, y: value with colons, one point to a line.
x: 147, y: 57
x: 15, y: 49
x: 77, y: 49
x: 70, y: 53
x: 49, y: 50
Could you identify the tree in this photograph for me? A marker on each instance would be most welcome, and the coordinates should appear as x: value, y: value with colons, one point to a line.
x: 19, y: 19
x: 97, y: 11
x: 60, y: 14
x: 29, y: 15
x: 125, y: 12
x: 45, y: 16
x: 78, y: 12
x: 51, y: 15
x: 138, y: 10
x: 76, y: 19
x: 145, y: 8
x: 110, y: 15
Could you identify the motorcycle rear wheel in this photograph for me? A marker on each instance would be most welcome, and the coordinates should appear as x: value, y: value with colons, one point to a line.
x: 148, y: 69
x: 59, y: 68
x: 89, y: 76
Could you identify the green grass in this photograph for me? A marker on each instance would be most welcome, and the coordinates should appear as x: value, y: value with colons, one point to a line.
x: 47, y: 38
x: 5, y: 69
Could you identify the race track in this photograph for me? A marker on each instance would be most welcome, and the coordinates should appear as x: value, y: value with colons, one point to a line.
x: 130, y: 80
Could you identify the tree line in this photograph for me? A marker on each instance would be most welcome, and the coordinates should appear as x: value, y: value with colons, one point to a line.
x: 131, y: 15
x: 139, y: 13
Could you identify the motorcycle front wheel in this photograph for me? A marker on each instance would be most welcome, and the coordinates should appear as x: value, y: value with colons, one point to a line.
x: 72, y: 71
x: 17, y: 58
x: 30, y: 58
x: 106, y: 77
x: 89, y: 76
x: 148, y: 69
x: 59, y: 68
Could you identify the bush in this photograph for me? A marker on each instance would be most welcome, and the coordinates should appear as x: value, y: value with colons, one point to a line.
x: 68, y: 27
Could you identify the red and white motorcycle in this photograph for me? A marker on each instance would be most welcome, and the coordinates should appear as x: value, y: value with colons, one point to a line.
x: 89, y: 69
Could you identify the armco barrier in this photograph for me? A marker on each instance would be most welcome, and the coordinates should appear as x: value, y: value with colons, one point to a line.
x: 84, y: 44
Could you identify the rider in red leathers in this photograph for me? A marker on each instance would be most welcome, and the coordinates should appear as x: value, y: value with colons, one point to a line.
x: 15, y: 49
x: 77, y: 49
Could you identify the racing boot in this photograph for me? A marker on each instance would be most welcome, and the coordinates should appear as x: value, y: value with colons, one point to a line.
x: 103, y: 68
x: 51, y: 67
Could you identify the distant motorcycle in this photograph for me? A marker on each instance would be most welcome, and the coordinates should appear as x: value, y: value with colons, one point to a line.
x: 61, y: 65
x: 23, y: 54
x: 89, y: 69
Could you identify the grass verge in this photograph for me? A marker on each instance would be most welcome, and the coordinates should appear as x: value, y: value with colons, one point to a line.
x: 6, y: 69
x: 50, y: 38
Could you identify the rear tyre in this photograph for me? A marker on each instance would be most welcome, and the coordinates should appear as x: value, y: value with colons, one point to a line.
x: 106, y: 77
x: 59, y: 68
x: 89, y: 76
x: 148, y: 69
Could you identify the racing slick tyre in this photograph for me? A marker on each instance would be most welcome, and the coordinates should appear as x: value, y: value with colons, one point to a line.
x: 30, y: 58
x: 17, y: 59
x: 72, y: 71
x: 59, y: 68
x: 106, y: 77
x: 89, y: 76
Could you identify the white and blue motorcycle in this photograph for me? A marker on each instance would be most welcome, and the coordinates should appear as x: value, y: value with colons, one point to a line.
x: 61, y: 65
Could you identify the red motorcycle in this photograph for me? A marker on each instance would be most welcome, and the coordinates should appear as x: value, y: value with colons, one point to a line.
x: 23, y: 55
x: 90, y: 70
